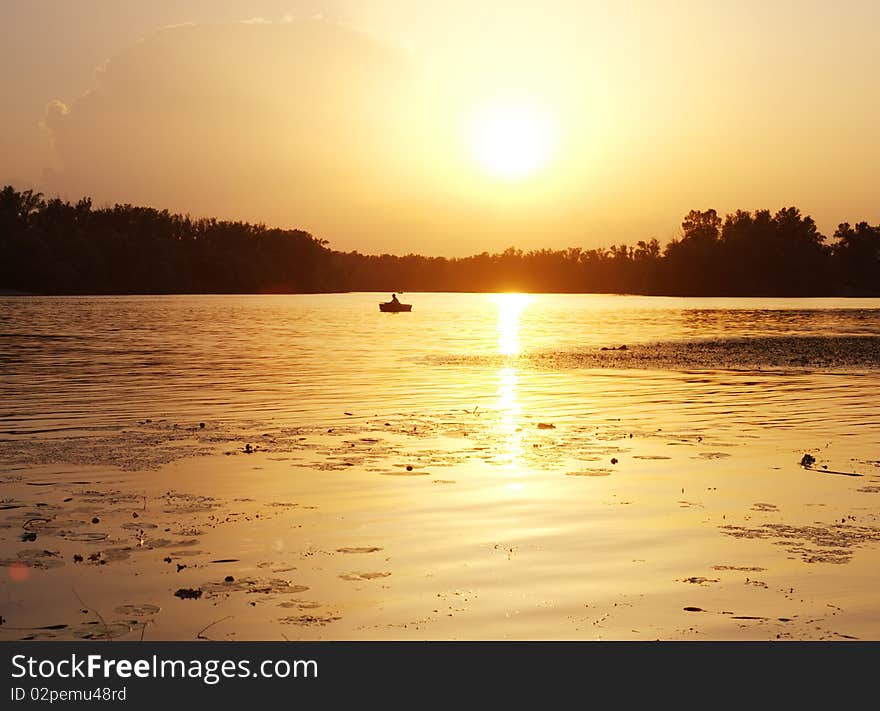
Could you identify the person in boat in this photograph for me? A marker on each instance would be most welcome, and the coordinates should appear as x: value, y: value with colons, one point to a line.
x: 394, y: 299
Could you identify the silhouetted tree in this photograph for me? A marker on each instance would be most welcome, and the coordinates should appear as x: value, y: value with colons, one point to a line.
x: 857, y: 258
x: 57, y: 247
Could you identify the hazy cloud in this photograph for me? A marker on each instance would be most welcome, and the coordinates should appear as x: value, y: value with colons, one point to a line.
x: 55, y: 109
x: 302, y: 123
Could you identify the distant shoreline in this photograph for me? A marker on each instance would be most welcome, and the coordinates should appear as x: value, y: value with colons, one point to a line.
x: 64, y: 248
x: 379, y: 292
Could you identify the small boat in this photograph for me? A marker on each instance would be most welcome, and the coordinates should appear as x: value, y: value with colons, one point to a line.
x: 394, y: 307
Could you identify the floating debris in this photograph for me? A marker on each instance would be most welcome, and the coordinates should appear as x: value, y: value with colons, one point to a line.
x: 188, y: 593
x: 309, y: 620
x: 363, y: 576
x: 764, y: 507
x: 590, y: 472
x: 714, y: 455
x: 262, y: 586
x: 142, y: 610
x: 38, y: 560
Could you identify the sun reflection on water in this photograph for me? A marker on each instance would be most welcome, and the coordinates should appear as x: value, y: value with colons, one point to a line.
x: 509, y: 410
x: 510, y: 306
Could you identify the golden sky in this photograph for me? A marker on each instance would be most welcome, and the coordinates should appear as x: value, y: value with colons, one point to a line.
x: 447, y: 128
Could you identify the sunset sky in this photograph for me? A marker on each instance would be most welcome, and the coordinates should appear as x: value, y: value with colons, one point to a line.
x: 447, y: 128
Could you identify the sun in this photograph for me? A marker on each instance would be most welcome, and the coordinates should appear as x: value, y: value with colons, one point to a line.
x: 511, y: 139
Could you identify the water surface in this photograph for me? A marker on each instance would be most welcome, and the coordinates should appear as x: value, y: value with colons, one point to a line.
x: 80, y: 362
x: 486, y: 466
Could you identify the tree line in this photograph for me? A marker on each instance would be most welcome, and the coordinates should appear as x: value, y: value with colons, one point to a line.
x: 51, y: 246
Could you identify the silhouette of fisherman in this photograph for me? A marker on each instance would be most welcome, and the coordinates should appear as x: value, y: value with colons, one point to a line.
x: 394, y: 299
